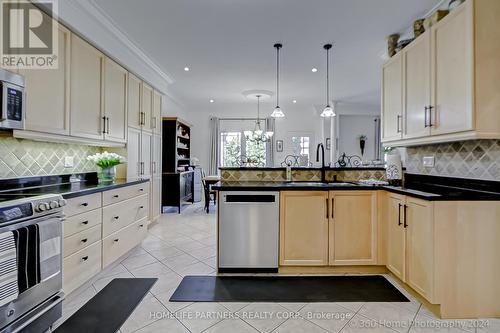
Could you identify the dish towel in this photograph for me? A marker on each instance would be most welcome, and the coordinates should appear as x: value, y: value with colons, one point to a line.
x: 50, y: 249
x: 8, y: 268
x: 28, y: 256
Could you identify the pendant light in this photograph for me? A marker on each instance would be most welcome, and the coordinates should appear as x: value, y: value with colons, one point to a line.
x: 328, y: 110
x: 258, y: 135
x: 277, y: 113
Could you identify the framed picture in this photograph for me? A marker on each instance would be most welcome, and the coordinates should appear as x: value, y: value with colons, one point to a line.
x: 328, y: 144
x: 279, y: 146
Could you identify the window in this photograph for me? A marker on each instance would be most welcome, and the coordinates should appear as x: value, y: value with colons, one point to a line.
x: 300, y: 146
x: 236, y: 151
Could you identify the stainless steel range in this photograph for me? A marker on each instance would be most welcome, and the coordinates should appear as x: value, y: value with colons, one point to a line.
x: 36, y: 302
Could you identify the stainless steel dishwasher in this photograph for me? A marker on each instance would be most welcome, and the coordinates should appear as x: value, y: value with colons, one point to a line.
x: 248, y: 231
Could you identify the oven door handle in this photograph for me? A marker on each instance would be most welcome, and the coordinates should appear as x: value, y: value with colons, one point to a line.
x: 3, y: 106
x: 56, y: 300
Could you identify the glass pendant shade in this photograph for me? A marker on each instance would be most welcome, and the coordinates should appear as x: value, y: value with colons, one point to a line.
x: 328, y: 112
x: 277, y: 113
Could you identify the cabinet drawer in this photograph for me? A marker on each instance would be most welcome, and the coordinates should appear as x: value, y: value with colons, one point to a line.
x: 81, y: 222
x: 81, y: 266
x: 120, y: 215
x: 82, y: 204
x: 81, y: 240
x: 122, y: 241
x: 124, y: 193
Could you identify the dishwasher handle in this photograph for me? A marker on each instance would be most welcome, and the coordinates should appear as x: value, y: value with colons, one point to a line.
x: 250, y: 198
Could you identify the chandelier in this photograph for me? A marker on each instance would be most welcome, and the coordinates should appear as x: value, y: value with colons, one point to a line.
x: 258, y: 135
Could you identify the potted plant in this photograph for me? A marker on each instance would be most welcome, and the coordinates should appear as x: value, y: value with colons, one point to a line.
x: 362, y: 142
x: 107, y: 163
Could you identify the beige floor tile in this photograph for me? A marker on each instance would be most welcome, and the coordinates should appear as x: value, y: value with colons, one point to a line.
x: 203, y: 253
x: 293, y: 306
x: 489, y: 325
x: 138, y: 261
x: 299, y: 325
x: 164, y: 298
x: 264, y: 316
x: 231, y: 325
x: 180, y: 261
x: 166, y: 282
x: 199, y: 316
x: 151, y: 270
x: 142, y: 315
x: 198, y: 268
x: 329, y: 316
x: 166, y: 252
x: 164, y: 326
x: 110, y: 271
x: 101, y: 283
x: 426, y: 321
x: 233, y: 306
x: 212, y: 262
x: 389, y: 312
x: 360, y: 324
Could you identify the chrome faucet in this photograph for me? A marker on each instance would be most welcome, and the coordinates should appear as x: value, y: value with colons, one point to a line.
x: 320, y: 145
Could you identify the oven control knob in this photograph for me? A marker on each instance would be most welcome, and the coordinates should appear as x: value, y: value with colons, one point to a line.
x: 62, y: 202
x: 54, y: 204
x: 42, y: 206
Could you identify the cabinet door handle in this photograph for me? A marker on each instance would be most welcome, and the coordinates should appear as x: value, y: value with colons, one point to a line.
x: 332, y: 207
x: 404, y: 209
x: 117, y: 240
x: 84, y: 240
x: 154, y: 122
x: 108, y: 124
x: 116, y: 196
x: 399, y: 118
x: 430, y: 115
x: 85, y: 222
x: 104, y: 125
x: 85, y: 204
x: 85, y: 258
x: 116, y: 217
x: 141, y: 117
x: 154, y: 167
x: 327, y: 208
x: 141, y: 225
x: 399, y: 214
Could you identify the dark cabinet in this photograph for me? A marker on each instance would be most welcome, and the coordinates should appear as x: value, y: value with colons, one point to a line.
x: 177, y: 188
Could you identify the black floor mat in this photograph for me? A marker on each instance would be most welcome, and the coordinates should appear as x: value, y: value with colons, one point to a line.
x: 366, y: 288
x: 109, y: 309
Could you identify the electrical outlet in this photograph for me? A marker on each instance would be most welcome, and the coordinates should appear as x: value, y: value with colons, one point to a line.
x: 69, y: 161
x: 428, y: 161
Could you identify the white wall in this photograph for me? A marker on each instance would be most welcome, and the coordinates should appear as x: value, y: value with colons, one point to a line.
x: 297, y: 119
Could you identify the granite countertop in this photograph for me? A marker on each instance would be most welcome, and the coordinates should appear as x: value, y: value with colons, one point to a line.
x: 448, y: 194
x: 76, y: 189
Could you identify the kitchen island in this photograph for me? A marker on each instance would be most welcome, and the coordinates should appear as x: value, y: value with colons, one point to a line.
x: 425, y: 234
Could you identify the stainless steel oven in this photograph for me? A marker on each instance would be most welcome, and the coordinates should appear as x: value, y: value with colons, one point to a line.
x: 12, y: 101
x: 39, y: 305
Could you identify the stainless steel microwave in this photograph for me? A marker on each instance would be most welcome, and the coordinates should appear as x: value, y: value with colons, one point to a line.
x: 11, y: 100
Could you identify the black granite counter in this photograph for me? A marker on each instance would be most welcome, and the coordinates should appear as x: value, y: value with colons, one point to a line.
x: 422, y: 187
x: 82, y: 184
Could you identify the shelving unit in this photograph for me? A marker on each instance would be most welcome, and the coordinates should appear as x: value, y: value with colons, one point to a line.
x: 177, y: 181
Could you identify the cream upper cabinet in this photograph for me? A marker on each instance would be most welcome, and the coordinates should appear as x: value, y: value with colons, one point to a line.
x: 396, y: 237
x: 417, y: 71
x: 47, y: 92
x: 452, y: 70
x: 134, y: 102
x: 133, y: 153
x: 156, y: 115
x: 146, y: 106
x: 420, y: 246
x: 86, y: 90
x: 353, y: 231
x: 449, y: 79
x: 392, y: 98
x: 304, y: 219
x: 115, y: 102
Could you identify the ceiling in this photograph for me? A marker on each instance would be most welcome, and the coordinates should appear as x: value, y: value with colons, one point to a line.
x: 228, y: 45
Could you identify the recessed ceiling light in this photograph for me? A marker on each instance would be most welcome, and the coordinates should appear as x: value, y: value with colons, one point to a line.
x: 314, y: 70
x: 186, y: 69
x: 211, y: 101
x: 294, y: 101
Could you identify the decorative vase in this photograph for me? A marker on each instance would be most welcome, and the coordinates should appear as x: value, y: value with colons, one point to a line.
x: 107, y: 175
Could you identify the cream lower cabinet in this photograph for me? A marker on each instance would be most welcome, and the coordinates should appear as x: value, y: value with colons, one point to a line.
x: 100, y: 228
x: 320, y: 228
x: 353, y: 228
x: 411, y: 243
x: 304, y: 220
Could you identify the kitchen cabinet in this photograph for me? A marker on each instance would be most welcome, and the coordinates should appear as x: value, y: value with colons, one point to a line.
x: 134, y: 102
x: 133, y: 154
x: 411, y: 243
x: 86, y: 90
x: 353, y: 228
x: 115, y: 102
x: 156, y: 120
x: 448, y: 77
x: 146, y: 154
x: 392, y: 98
x: 417, y: 60
x: 156, y: 178
x: 396, y: 236
x: 47, y: 92
x: 146, y: 107
x: 304, y: 217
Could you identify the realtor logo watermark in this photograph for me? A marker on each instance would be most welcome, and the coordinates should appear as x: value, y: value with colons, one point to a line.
x: 29, y: 36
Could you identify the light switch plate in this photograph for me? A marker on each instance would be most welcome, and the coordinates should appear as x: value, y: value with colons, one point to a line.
x: 69, y: 161
x: 428, y: 161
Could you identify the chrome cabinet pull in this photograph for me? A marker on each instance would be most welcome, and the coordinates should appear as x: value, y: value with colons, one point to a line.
x: 399, y: 120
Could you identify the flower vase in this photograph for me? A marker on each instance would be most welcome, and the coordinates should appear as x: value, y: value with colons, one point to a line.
x: 107, y: 175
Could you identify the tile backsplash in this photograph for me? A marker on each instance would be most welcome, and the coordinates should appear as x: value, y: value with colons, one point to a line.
x: 25, y: 158
x: 478, y: 159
